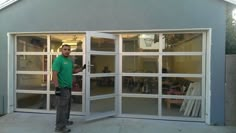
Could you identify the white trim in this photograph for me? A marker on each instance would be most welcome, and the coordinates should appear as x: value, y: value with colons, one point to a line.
x: 7, y: 3
x: 208, y: 77
x: 189, y: 30
x: 231, y: 1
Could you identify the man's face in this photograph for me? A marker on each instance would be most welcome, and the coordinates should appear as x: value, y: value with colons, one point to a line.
x: 65, y: 51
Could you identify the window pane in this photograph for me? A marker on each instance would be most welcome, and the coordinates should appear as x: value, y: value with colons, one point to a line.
x: 181, y: 107
x: 31, y: 62
x: 181, y: 86
x: 143, y: 85
x: 76, y: 103
x: 77, y: 60
x: 142, y: 106
x: 183, y: 64
x: 31, y: 82
x: 53, y: 102
x: 31, y: 43
x: 77, y: 83
x: 185, y: 42
x: 140, y: 64
x: 102, y: 64
x: 142, y: 42
x: 101, y: 86
x: 31, y: 101
x: 102, y: 44
x: 76, y: 41
x: 102, y: 105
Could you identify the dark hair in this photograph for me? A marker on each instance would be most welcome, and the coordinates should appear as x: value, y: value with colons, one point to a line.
x: 65, y: 45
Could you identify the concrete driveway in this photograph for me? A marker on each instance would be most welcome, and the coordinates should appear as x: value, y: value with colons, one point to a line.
x: 45, y: 123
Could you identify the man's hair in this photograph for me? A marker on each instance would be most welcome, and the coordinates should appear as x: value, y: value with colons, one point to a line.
x: 65, y: 45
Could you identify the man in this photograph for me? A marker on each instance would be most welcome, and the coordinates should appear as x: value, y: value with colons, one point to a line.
x: 62, y: 77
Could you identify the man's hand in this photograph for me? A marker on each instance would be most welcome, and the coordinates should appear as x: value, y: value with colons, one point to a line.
x: 58, y: 91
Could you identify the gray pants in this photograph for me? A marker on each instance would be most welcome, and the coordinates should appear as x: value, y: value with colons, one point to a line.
x: 63, y: 108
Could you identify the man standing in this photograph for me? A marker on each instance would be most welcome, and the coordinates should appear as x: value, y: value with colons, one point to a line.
x: 62, y: 77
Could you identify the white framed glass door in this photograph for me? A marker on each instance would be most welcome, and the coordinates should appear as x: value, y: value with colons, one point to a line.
x: 101, y: 75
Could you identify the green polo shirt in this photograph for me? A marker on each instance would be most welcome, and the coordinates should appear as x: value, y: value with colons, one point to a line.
x: 64, y: 67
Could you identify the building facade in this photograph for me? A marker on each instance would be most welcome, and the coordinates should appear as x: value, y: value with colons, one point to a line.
x: 158, y: 59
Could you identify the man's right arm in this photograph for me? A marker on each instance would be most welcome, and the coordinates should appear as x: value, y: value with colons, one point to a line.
x: 55, y: 78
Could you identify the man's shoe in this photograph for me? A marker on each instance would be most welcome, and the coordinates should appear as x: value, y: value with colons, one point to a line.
x: 69, y: 123
x: 63, y: 130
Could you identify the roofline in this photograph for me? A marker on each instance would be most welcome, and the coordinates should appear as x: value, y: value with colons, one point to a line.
x: 7, y: 3
x: 231, y: 1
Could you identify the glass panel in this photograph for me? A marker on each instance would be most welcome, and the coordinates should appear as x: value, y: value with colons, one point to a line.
x: 102, y: 63
x: 142, y: 42
x: 183, y: 64
x: 140, y: 64
x: 101, y: 86
x: 53, y: 102
x: 102, y: 44
x: 31, y: 101
x: 76, y: 41
x: 147, y: 85
x: 52, y: 86
x: 181, y: 86
x: 184, y: 42
x: 143, y: 106
x: 181, y: 107
x: 77, y: 83
x: 77, y: 60
x: 32, y: 43
x: 31, y: 62
x: 31, y: 82
x: 76, y: 103
x: 102, y: 105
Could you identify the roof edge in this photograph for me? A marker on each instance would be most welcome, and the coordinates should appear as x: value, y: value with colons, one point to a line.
x: 7, y: 3
x: 231, y: 1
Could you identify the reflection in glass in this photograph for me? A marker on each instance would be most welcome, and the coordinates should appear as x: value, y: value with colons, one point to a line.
x: 142, y: 42
x: 143, y: 106
x: 101, y: 86
x: 31, y: 101
x: 145, y: 85
x: 32, y: 43
x: 74, y: 40
x: 32, y: 62
x: 180, y: 85
x: 181, y: 107
x: 184, y: 42
x: 102, y: 105
x: 101, y: 62
x: 188, y: 64
x: 31, y: 82
x: 140, y: 64
x: 102, y: 44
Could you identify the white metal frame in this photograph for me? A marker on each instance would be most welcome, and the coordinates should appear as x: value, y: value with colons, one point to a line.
x: 206, y: 67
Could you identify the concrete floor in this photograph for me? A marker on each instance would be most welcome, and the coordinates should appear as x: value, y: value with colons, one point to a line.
x: 45, y: 123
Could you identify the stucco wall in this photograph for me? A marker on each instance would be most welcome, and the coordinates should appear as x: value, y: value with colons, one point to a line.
x: 91, y: 15
x: 230, y: 90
